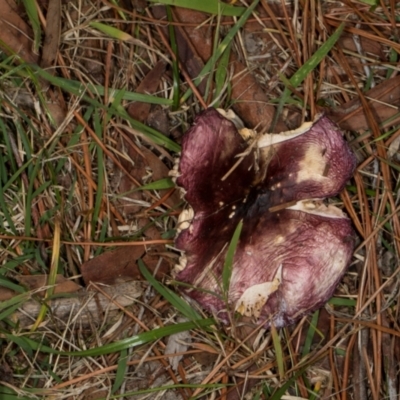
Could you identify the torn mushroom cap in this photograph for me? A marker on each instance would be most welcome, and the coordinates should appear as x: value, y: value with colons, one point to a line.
x: 185, y: 219
x: 318, y: 207
x: 283, y: 227
x: 245, y: 133
x: 313, y: 246
x: 254, y: 297
x: 173, y: 173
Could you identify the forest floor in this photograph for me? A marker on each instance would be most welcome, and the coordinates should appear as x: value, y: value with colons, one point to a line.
x: 95, y: 97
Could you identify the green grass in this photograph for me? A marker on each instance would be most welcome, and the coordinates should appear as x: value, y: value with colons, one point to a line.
x: 300, y: 75
x: 211, y: 7
x: 59, y: 197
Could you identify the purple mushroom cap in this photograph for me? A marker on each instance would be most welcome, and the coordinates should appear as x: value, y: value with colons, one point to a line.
x: 293, y: 248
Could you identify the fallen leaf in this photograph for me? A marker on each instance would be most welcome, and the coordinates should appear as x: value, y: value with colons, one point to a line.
x: 248, y: 97
x: 205, y: 348
x: 6, y: 294
x: 113, y: 266
x: 83, y: 307
x: 94, y: 393
x: 91, y: 51
x: 63, y: 285
x: 52, y: 35
x: 368, y: 46
x: 57, y: 112
x: 6, y: 372
x: 120, y: 265
x: 190, y: 57
x: 34, y: 282
x: 206, y: 359
x: 177, y: 343
x: 141, y: 166
x: 394, y: 148
x: 384, y: 100
x: 139, y: 110
x: 24, y: 98
x: 15, y: 34
x: 158, y: 119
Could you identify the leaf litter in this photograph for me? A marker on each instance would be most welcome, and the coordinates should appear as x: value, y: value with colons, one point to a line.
x: 52, y: 167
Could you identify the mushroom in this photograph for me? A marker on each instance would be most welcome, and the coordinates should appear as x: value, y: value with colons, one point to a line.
x: 293, y: 248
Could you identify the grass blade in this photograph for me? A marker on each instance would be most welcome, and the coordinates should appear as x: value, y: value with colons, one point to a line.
x: 282, y: 390
x: 20, y: 298
x: 7, y: 393
x: 121, y: 370
x: 339, y: 301
x: 4, y: 282
x: 210, y: 7
x: 301, y: 74
x: 310, y: 334
x: 221, y: 75
x: 31, y: 11
x: 181, y: 305
x: 133, y: 341
x: 278, y: 352
x: 221, y: 48
x: 78, y: 88
x: 165, y: 183
x: 228, y: 264
x: 112, y: 32
x: 52, y: 275
x: 98, y: 129
x: 175, y: 62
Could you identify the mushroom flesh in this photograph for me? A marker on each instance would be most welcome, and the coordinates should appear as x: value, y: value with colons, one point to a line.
x: 294, y: 247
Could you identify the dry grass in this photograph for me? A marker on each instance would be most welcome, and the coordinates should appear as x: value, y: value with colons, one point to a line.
x: 66, y: 196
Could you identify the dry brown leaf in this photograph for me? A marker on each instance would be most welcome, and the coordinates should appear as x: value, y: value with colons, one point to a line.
x: 153, y: 253
x: 160, y: 171
x: 205, y: 358
x: 158, y: 119
x: 190, y: 57
x: 57, y: 112
x: 352, y: 117
x: 140, y: 167
x: 204, y: 348
x: 83, y: 307
x: 52, y: 35
x: 368, y: 46
x: 6, y: 372
x: 6, y: 294
x: 394, y: 148
x: 24, y: 98
x: 196, y: 41
x: 63, y: 285
x: 15, y: 33
x: 138, y: 110
x: 177, y: 343
x: 120, y: 265
x: 152, y: 262
x: 93, y: 393
x: 249, y: 99
x: 356, y: 57
x: 113, y: 266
